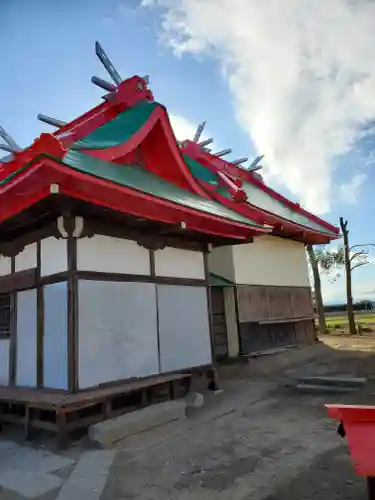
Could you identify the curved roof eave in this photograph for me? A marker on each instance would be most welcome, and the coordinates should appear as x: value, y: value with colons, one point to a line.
x: 45, y: 171
x: 125, y: 143
x: 331, y: 232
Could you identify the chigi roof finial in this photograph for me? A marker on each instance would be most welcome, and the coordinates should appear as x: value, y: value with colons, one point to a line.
x: 111, y: 70
x: 199, y: 131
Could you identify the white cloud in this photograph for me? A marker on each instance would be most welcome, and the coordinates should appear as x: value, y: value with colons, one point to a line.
x: 183, y: 128
x: 350, y: 191
x: 302, y: 74
x: 370, y: 159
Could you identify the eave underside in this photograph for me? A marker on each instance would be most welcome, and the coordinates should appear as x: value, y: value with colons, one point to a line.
x: 39, y: 220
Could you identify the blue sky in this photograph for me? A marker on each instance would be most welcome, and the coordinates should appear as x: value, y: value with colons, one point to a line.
x: 48, y: 59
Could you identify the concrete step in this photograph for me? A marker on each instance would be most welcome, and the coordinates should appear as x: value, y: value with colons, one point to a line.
x: 322, y: 388
x: 111, y: 431
x: 333, y: 381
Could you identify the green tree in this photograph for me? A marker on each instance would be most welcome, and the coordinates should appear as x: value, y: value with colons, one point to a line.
x: 323, y: 261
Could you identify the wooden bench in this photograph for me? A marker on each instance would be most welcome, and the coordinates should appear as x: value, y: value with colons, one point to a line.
x: 62, y: 412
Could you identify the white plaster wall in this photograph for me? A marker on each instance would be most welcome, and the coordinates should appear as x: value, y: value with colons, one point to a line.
x: 26, y: 342
x: 4, y: 361
x: 271, y: 261
x: 5, y: 265
x: 221, y: 263
x: 112, y: 255
x: 27, y: 258
x: 179, y: 263
x: 55, y: 339
x: 53, y: 255
x: 183, y: 327
x: 117, y: 331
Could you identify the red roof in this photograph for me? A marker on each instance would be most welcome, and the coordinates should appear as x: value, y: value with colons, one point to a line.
x: 129, y: 130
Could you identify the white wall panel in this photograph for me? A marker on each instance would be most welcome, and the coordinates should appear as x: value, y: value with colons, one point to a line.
x: 54, y: 256
x: 271, y: 261
x: 221, y: 263
x: 183, y: 327
x: 26, y: 342
x: 27, y: 258
x: 5, y: 265
x: 112, y: 255
x: 55, y: 339
x: 179, y: 263
x: 4, y: 361
x: 117, y: 331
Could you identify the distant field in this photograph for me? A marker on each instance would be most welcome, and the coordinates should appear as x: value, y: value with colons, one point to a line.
x: 342, y: 318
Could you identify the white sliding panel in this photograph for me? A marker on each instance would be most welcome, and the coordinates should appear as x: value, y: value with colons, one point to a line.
x: 112, y: 255
x: 27, y: 258
x: 117, y: 333
x: 183, y: 327
x: 4, y: 361
x: 5, y: 265
x: 55, y: 339
x: 53, y: 256
x: 26, y: 342
x: 178, y: 263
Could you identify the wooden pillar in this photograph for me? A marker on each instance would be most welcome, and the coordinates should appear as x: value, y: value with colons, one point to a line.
x: 209, y: 305
x: 213, y: 374
x: 371, y: 488
x: 72, y: 315
x: 231, y: 321
x: 39, y: 319
x: 13, y: 331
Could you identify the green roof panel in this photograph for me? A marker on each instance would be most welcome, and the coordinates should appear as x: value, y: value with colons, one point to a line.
x: 256, y: 197
x: 120, y: 129
x: 199, y: 171
x: 265, y: 201
x: 202, y: 173
x: 216, y: 280
x: 137, y: 178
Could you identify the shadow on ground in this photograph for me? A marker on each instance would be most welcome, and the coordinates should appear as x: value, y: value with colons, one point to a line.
x: 330, y: 476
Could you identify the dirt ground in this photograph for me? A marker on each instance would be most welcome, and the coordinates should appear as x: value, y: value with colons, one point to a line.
x: 257, y: 440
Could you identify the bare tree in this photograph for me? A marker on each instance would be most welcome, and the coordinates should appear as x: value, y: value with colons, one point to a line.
x: 352, y: 260
x: 327, y: 261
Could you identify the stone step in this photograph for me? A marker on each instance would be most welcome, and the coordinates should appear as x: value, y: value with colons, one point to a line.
x: 333, y: 381
x: 324, y: 388
x: 111, y: 431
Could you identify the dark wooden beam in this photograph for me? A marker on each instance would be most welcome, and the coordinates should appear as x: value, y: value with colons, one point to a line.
x: 13, y: 330
x: 40, y: 317
x: 21, y: 280
x: 72, y: 315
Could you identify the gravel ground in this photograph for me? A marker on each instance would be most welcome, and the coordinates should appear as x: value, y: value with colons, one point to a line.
x: 275, y: 447
x: 256, y: 440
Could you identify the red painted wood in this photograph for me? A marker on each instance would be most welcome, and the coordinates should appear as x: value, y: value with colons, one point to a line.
x: 45, y: 144
x: 127, y: 95
x: 216, y: 165
x: 233, y: 189
x: 359, y: 425
x: 33, y: 185
x: 160, y: 151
